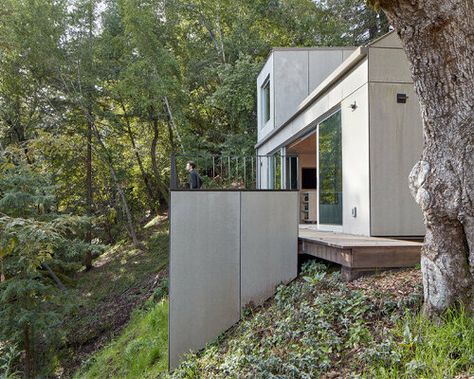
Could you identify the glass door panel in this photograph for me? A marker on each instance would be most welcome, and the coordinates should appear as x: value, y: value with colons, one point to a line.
x: 291, y: 172
x: 330, y: 170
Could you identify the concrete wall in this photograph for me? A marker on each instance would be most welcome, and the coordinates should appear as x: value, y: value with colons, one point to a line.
x: 355, y: 163
x: 294, y: 73
x: 227, y: 248
x: 396, y: 141
x: 269, y: 222
x: 204, y: 268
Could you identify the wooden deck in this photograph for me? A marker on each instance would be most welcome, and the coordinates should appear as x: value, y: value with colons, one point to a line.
x: 358, y: 255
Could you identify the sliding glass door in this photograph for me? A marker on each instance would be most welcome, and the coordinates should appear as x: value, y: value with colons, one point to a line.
x: 330, y: 170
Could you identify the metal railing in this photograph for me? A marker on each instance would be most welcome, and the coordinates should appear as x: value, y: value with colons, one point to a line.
x: 235, y: 172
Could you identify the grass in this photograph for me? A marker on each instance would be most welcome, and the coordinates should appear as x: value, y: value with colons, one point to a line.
x: 122, y: 266
x: 315, y: 327
x: 141, y: 351
x: 123, y: 279
x: 319, y: 327
x: 421, y: 348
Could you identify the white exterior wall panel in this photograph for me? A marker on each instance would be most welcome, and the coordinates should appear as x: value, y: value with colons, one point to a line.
x: 204, y: 268
x: 269, y: 243
x: 355, y: 162
x: 388, y: 40
x: 388, y: 65
x: 294, y: 74
x: 263, y: 128
x: 322, y: 63
x: 291, y: 87
x: 396, y: 141
x: 227, y: 248
x: 318, y: 110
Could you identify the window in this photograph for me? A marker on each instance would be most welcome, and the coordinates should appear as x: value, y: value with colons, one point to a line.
x: 274, y: 170
x: 266, y: 101
x: 330, y: 170
x: 292, y: 172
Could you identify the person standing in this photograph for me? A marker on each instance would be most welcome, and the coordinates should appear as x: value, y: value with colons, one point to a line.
x: 194, y: 179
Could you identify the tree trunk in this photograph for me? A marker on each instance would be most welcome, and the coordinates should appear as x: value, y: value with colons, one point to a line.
x: 88, y: 254
x: 51, y: 273
x: 28, y: 354
x: 154, y: 164
x: 146, y: 179
x: 174, y: 180
x: 131, y: 226
x: 438, y: 40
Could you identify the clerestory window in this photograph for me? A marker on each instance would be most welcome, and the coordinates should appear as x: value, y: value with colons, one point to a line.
x: 266, y: 101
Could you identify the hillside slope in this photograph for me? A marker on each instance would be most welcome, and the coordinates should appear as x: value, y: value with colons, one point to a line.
x: 320, y: 327
x: 122, y: 282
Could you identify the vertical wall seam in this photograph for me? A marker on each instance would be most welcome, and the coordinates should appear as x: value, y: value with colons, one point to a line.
x: 169, y: 274
x: 369, y: 131
x: 240, y: 255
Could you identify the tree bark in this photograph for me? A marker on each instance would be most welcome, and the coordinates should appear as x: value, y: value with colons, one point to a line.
x: 51, y: 273
x: 128, y: 214
x: 154, y: 163
x: 146, y: 179
x: 88, y: 254
x: 174, y: 180
x: 28, y: 353
x: 131, y: 226
x: 438, y: 39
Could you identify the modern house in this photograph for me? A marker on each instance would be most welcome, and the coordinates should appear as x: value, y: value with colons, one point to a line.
x: 343, y: 126
x: 340, y: 128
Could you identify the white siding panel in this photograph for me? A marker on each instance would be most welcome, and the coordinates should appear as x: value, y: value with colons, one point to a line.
x: 396, y: 141
x: 355, y: 163
x: 388, y: 65
x: 290, y: 83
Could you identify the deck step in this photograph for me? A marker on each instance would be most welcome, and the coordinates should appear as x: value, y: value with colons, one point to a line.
x: 358, y: 255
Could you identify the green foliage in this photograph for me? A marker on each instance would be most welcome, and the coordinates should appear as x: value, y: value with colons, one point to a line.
x: 140, y: 352
x: 308, y: 329
x: 318, y: 326
x: 235, y: 102
x: 8, y: 356
x: 419, y: 347
x: 33, y: 237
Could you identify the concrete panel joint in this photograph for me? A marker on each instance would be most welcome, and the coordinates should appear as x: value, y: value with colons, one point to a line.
x: 227, y: 249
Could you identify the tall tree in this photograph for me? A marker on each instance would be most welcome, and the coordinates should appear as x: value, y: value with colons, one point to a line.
x: 439, y: 43
x: 30, y: 35
x: 35, y: 240
x: 81, y: 84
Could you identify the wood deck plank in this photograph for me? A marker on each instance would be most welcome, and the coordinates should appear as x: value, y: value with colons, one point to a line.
x: 358, y: 254
x: 349, y: 240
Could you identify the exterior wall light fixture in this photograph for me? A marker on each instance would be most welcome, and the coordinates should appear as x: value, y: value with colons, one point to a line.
x: 402, y: 98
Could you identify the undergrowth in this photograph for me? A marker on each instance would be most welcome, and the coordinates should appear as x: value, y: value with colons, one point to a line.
x: 317, y: 327
x: 140, y: 352
x: 420, y: 348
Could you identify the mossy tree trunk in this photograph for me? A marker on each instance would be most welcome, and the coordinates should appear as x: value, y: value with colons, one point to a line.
x: 438, y: 38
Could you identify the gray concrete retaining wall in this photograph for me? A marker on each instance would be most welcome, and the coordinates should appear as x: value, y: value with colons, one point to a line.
x: 269, y: 243
x: 227, y: 248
